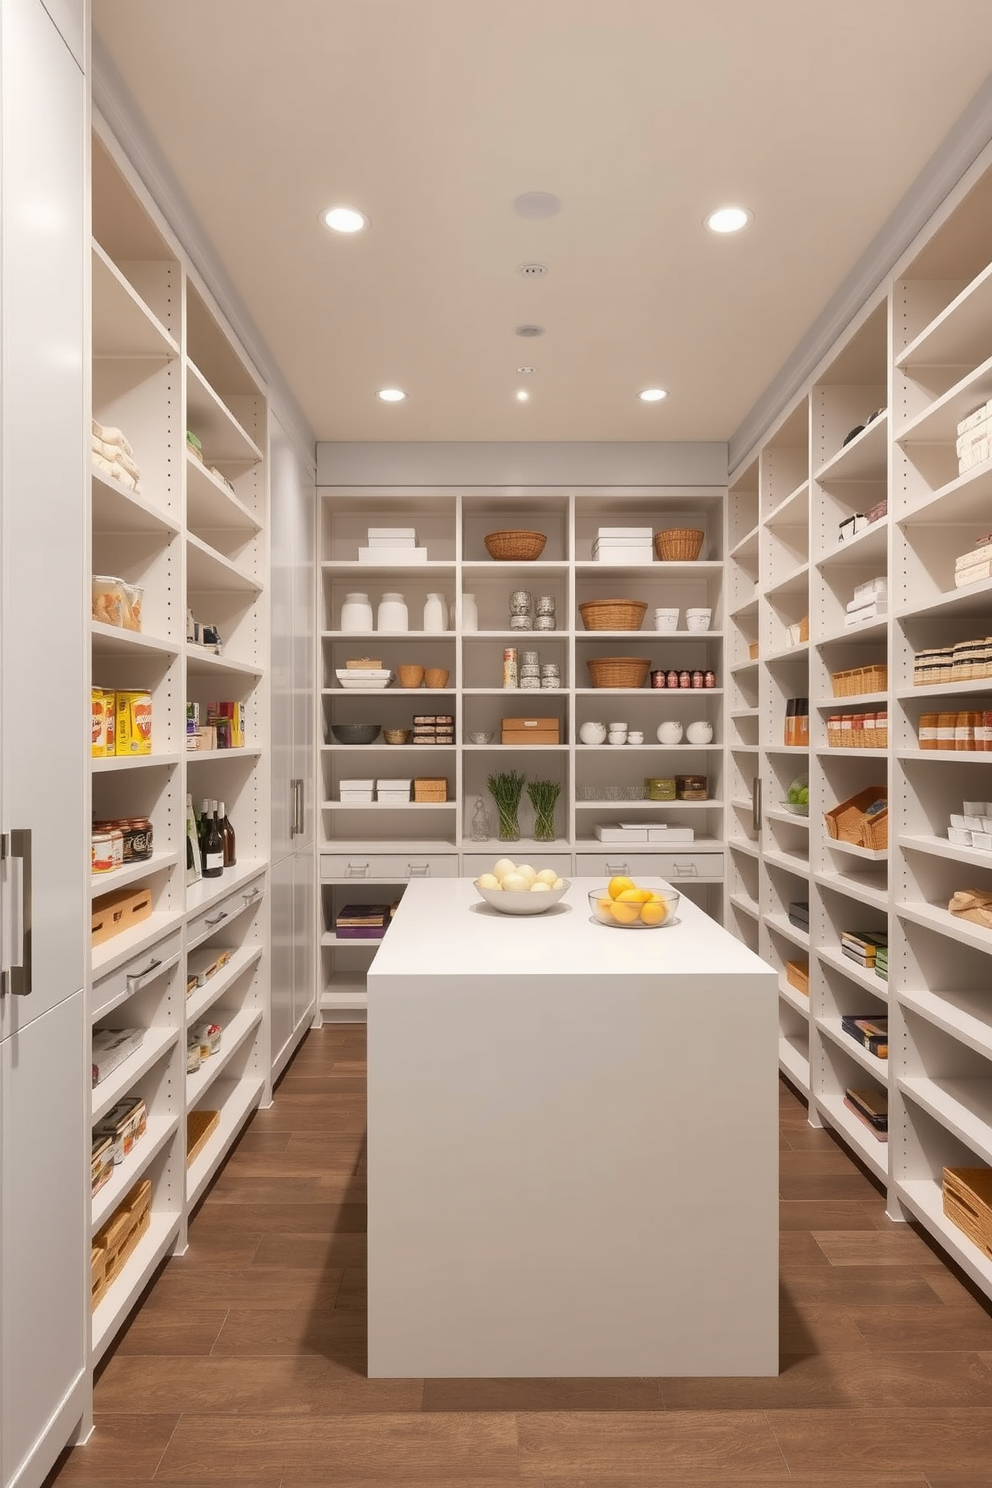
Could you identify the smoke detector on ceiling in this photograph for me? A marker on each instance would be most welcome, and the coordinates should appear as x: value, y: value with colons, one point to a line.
x: 533, y: 205
x: 532, y: 270
x: 529, y: 330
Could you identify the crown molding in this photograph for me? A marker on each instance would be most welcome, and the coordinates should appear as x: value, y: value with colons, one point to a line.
x: 113, y: 100
x: 966, y: 141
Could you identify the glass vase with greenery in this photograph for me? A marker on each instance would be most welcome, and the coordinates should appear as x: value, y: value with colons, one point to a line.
x: 543, y: 797
x: 505, y: 789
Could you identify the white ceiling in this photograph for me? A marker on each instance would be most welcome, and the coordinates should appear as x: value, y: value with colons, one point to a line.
x: 641, y: 115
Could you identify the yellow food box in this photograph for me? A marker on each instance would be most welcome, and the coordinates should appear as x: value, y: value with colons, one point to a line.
x: 134, y: 723
x: 103, y: 714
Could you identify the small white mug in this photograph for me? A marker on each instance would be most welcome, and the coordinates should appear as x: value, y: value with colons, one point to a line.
x: 635, y: 737
x: 617, y: 736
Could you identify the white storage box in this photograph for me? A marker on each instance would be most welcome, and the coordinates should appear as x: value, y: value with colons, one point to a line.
x: 622, y: 533
x: 959, y: 836
x: 394, y: 534
x: 863, y: 593
x: 393, y: 784
x: 392, y: 797
x: 621, y: 834
x: 626, y: 554
x: 356, y: 797
x: 392, y: 555
x: 671, y: 834
x: 982, y: 840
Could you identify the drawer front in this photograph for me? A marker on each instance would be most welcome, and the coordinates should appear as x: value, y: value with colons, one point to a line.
x: 222, y: 913
x: 474, y: 863
x: 692, y: 865
x: 388, y: 867
x: 136, y: 974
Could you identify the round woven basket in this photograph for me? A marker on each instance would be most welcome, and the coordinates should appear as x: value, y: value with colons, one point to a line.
x: 515, y: 547
x: 613, y: 614
x: 618, y: 671
x: 681, y: 544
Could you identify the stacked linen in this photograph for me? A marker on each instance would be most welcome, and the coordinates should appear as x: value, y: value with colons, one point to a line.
x: 392, y: 545
x: 113, y: 455
x: 870, y: 602
x: 974, y: 441
x: 623, y: 545
x: 972, y: 567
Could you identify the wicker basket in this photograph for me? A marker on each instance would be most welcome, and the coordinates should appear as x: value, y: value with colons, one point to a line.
x: 430, y: 789
x: 848, y: 822
x: 613, y: 614
x: 618, y: 671
x: 678, y: 544
x: 515, y: 547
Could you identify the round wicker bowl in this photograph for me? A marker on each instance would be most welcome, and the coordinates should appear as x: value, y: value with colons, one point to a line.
x: 678, y: 544
x: 618, y: 671
x: 613, y: 614
x: 515, y: 547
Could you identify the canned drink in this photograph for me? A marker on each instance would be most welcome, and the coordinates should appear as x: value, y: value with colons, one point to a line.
x: 134, y: 722
x: 509, y: 666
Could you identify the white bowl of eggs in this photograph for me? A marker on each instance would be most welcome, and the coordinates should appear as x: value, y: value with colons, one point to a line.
x: 520, y: 889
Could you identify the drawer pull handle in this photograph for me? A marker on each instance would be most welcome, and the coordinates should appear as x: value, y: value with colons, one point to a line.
x: 613, y: 869
x: 358, y: 870
x: 418, y: 870
x: 217, y: 918
x: 135, y: 978
x: 686, y: 870
x: 251, y: 895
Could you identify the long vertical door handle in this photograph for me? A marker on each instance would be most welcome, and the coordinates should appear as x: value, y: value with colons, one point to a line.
x: 294, y: 792
x: 297, y: 808
x: 756, y: 803
x: 17, y: 979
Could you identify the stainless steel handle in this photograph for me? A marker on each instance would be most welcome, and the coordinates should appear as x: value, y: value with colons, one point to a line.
x: 358, y: 870
x: 135, y: 978
x: 615, y: 868
x: 251, y: 895
x: 216, y: 919
x: 296, y: 790
x: 17, y: 978
x: 418, y: 870
x: 756, y: 803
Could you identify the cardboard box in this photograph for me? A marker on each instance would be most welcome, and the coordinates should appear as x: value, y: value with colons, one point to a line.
x: 101, y: 1163
x: 530, y: 731
x: 116, y: 912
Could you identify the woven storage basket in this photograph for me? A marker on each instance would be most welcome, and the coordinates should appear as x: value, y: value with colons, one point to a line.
x: 804, y: 630
x: 678, y: 544
x: 613, y: 614
x: 848, y: 822
x: 515, y: 546
x: 618, y: 671
x: 430, y: 789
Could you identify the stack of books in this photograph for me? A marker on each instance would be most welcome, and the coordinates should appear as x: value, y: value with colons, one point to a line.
x: 871, y: 1107
x: 798, y: 912
x: 882, y: 963
x: 870, y: 1030
x: 973, y: 443
x: 362, y: 921
x: 862, y: 946
x: 870, y: 602
x: 392, y: 545
x: 623, y: 545
x: 975, y: 565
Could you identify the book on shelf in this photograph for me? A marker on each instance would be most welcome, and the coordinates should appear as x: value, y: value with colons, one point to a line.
x: 870, y: 1030
x: 870, y: 1107
x: 362, y: 921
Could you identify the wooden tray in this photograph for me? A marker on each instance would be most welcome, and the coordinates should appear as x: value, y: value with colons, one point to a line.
x: 199, y: 1126
x: 968, y: 1204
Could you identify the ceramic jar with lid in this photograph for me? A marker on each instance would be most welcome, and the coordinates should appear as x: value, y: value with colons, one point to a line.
x: 470, y: 613
x: 393, y: 613
x: 356, y: 613
x: 435, y: 613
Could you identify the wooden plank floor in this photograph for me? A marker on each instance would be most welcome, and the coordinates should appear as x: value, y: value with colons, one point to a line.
x: 246, y: 1363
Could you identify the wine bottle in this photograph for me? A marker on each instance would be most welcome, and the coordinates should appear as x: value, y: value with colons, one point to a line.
x: 227, y: 832
x: 201, y: 822
x: 213, y: 847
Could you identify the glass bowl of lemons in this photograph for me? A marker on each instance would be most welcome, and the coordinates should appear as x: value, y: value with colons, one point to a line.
x: 520, y: 888
x: 624, y: 906
x: 797, y: 797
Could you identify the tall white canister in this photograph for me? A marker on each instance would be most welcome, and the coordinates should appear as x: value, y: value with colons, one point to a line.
x: 435, y: 613
x: 470, y: 613
x: 393, y: 613
x: 356, y: 613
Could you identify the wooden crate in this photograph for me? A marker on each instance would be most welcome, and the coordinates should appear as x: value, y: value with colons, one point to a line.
x: 116, y: 912
x: 120, y: 1234
x: 847, y: 822
x: 968, y: 1204
x: 797, y: 975
x: 199, y: 1126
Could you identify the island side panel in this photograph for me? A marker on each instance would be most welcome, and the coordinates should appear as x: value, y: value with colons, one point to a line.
x: 572, y: 1176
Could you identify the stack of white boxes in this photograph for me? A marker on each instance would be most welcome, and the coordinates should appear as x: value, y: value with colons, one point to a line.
x: 973, y: 567
x: 974, y: 443
x: 870, y: 602
x: 623, y: 545
x: 392, y: 545
x: 644, y: 832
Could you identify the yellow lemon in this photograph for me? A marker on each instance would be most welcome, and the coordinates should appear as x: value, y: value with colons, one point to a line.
x: 635, y: 896
x: 653, y: 914
x: 616, y: 886
x: 625, y: 914
x: 605, y: 907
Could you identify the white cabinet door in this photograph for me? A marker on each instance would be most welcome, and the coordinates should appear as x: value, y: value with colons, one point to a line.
x: 43, y: 1240
x: 42, y: 502
x: 282, y: 962
x: 304, y: 939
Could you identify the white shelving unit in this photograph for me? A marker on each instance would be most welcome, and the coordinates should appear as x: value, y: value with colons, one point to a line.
x: 923, y: 346
x: 368, y: 853
x: 193, y: 537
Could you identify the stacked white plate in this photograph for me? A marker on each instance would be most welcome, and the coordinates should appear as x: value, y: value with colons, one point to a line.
x: 359, y: 679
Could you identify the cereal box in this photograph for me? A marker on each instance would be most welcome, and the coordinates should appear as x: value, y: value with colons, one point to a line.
x: 134, y: 723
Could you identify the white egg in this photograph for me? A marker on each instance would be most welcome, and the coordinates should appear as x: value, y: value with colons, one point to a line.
x: 547, y: 876
x: 504, y: 866
x: 514, y: 884
x: 559, y: 883
x: 488, y: 881
x: 527, y: 872
x: 540, y: 887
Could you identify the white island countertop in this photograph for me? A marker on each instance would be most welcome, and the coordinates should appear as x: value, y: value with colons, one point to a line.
x: 573, y: 1144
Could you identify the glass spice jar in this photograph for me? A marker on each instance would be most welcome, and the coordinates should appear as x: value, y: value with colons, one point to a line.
x: 697, y: 679
x: 685, y: 679
x: 671, y: 679
x: 709, y: 679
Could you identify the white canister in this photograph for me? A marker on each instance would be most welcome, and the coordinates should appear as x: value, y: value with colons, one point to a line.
x: 393, y: 613
x: 435, y: 613
x: 470, y: 613
x: 670, y: 732
x: 700, y: 732
x: 593, y: 733
x: 635, y: 736
x: 356, y: 613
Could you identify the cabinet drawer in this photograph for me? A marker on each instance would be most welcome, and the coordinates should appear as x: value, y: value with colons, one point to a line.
x: 474, y: 863
x: 223, y: 912
x: 388, y: 867
x: 692, y: 865
x: 136, y: 974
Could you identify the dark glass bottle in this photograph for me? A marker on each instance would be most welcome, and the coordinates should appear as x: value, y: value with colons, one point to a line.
x: 213, y: 847
x: 227, y: 833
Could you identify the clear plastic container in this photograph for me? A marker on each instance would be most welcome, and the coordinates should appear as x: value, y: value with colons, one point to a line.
x: 108, y: 599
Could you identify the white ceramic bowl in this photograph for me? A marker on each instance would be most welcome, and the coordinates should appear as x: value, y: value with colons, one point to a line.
x: 698, y: 619
x: 666, y: 619
x: 523, y: 902
x: 480, y: 738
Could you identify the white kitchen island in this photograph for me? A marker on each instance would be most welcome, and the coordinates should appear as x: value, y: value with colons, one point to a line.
x: 573, y: 1144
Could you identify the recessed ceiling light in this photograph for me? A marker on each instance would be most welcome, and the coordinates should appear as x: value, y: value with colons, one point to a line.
x: 344, y: 219
x: 528, y: 330
x: 652, y: 395
x: 522, y: 395
x: 526, y: 370
x: 728, y: 219
x: 536, y: 204
x: 391, y: 395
